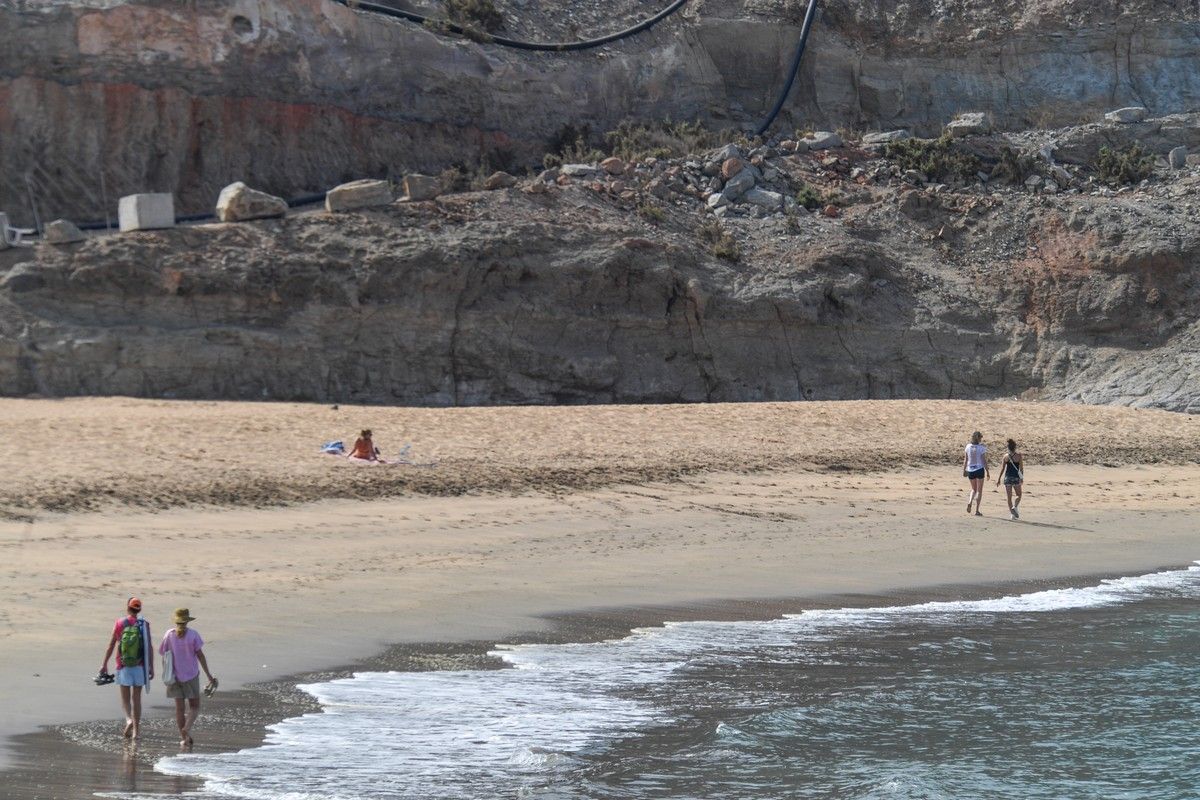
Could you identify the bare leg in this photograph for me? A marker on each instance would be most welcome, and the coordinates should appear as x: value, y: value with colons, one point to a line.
x: 977, y: 492
x: 1017, y: 489
x: 181, y: 720
x: 193, y: 711
x: 137, y: 709
x: 1008, y: 491
x: 125, y: 706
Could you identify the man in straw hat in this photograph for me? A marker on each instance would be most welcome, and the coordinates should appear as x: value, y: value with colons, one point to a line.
x: 183, y: 646
x: 135, y: 663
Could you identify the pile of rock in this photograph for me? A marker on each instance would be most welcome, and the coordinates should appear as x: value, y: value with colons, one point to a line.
x: 734, y: 179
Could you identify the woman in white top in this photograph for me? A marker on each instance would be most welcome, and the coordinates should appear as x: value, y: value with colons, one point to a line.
x: 975, y: 469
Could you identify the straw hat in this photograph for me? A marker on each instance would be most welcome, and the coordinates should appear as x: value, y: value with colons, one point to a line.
x: 182, y: 615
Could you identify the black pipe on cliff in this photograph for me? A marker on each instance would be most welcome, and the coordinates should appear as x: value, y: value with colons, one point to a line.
x: 556, y: 47
x: 809, y: 16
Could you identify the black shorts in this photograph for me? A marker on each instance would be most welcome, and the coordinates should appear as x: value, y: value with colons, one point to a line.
x: 976, y: 473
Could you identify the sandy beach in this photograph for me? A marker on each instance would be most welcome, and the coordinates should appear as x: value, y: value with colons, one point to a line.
x: 528, y: 512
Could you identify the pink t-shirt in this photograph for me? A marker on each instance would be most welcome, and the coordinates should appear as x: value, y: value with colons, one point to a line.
x: 183, y: 653
x: 119, y: 626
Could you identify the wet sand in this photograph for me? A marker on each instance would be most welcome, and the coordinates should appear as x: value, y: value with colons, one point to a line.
x: 75, y: 761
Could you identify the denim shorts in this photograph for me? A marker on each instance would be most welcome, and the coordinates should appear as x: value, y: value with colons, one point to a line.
x: 131, y: 676
x: 976, y: 473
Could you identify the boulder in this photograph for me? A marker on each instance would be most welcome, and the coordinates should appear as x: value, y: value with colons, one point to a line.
x: 727, y: 152
x: 1033, y: 182
x: 771, y: 201
x: 738, y: 185
x: 969, y: 124
x: 822, y: 140
x: 578, y: 170
x: 1060, y: 175
x: 731, y: 167
x: 1126, y: 115
x: 1178, y: 157
x: 418, y: 187
x: 613, y: 166
x: 238, y: 202
x: 717, y: 200
x: 884, y: 137
x: 358, y: 194
x: 499, y: 180
x: 144, y: 212
x: 62, y: 231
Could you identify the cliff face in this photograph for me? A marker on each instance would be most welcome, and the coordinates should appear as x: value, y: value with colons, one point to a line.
x: 102, y: 98
x: 549, y: 294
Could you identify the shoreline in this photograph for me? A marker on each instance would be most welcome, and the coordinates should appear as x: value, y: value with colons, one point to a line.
x: 77, y: 760
x: 460, y: 569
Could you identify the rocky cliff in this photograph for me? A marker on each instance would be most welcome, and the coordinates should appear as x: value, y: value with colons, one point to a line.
x: 100, y: 98
x: 630, y: 288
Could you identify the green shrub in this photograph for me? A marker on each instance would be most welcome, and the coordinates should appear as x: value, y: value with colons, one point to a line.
x: 571, y: 146
x: 1014, y: 167
x: 666, y: 139
x: 809, y: 197
x: 651, y: 212
x: 937, y: 159
x: 478, y: 14
x: 1123, y: 167
x: 719, y: 241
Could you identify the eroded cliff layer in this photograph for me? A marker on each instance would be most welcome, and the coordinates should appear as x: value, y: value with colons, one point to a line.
x: 101, y: 98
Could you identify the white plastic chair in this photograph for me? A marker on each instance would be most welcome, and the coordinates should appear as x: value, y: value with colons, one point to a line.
x: 15, y: 237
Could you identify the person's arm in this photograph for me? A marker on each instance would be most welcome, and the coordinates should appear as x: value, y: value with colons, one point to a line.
x: 1001, y: 475
x: 204, y: 664
x: 149, y: 645
x: 112, y: 643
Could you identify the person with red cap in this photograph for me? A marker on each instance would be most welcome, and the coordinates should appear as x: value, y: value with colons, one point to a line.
x: 135, y: 662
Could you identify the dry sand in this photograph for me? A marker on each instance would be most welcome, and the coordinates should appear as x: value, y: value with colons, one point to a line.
x: 91, y: 452
x: 670, y: 505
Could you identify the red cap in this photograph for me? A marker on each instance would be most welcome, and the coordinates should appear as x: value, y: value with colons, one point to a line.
x: 134, y: 603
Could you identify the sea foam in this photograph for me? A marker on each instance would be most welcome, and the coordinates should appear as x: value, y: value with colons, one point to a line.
x: 467, y: 734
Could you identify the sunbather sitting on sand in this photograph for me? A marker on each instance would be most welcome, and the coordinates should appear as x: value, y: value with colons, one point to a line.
x: 364, y: 448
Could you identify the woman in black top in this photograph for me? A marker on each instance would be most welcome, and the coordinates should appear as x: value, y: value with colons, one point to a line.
x: 1012, y: 472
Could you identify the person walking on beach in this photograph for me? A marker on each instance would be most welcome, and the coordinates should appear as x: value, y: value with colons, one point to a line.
x: 184, y: 649
x: 1013, y: 473
x: 975, y: 469
x: 135, y: 663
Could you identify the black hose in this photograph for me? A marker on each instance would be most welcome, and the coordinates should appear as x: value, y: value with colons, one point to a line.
x: 809, y: 16
x: 556, y: 47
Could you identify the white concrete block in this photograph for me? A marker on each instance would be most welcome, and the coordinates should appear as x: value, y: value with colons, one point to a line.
x: 143, y: 212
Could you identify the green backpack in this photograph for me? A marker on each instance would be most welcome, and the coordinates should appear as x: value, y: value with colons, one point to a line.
x: 130, y: 646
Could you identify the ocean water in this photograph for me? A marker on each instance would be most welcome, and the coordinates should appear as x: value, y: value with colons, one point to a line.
x: 1087, y: 692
